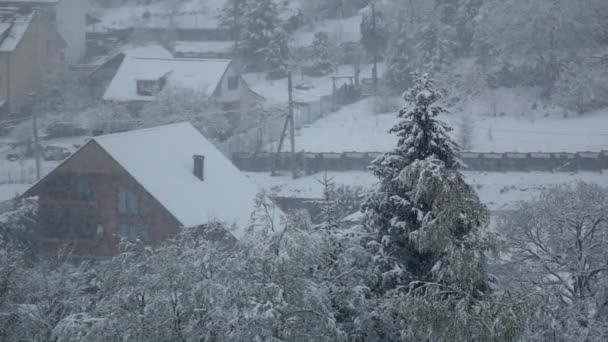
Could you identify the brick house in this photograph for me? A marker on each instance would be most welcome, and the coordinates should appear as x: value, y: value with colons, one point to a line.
x: 141, y: 185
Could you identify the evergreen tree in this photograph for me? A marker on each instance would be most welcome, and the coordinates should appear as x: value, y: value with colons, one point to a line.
x: 259, y: 30
x: 435, y: 46
x: 426, y: 224
x: 398, y: 75
x: 232, y: 17
x: 328, y: 204
x: 277, y: 54
x: 374, y: 32
x: 322, y: 60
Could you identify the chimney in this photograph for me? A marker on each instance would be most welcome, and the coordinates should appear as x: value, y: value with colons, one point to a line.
x: 199, y: 166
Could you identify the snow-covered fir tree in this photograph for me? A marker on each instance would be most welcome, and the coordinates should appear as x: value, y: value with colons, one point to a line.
x: 322, y: 64
x: 259, y: 30
x: 427, y: 226
x: 277, y: 54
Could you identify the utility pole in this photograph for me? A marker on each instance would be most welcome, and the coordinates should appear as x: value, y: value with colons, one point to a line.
x: 289, y: 121
x: 35, y: 133
x: 375, y: 68
x: 292, y: 127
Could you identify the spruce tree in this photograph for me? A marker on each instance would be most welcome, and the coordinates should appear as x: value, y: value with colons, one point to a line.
x: 232, y: 17
x: 427, y: 225
x: 374, y: 32
x: 327, y: 206
x: 277, y: 54
x: 398, y: 75
x: 322, y: 60
x: 259, y: 27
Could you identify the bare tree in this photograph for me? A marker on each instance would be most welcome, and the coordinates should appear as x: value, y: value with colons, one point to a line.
x: 559, y: 248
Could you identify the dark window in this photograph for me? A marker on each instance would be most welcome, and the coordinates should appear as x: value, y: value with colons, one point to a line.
x: 134, y: 233
x: 129, y: 203
x: 85, y: 189
x: 84, y: 224
x: 233, y: 82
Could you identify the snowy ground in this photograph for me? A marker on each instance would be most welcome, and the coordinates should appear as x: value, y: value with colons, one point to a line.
x: 357, y: 128
x: 499, y: 191
x: 275, y: 91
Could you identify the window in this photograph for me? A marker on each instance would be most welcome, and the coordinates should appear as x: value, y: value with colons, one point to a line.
x: 85, y: 189
x: 150, y: 87
x: 128, y: 202
x: 84, y: 224
x: 134, y: 233
x: 233, y: 82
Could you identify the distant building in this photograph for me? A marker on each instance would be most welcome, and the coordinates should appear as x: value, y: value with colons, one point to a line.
x: 141, y: 79
x: 209, y: 49
x: 142, y: 185
x: 29, y: 48
x: 69, y: 18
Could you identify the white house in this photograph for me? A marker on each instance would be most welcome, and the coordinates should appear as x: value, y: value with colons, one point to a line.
x: 141, y: 79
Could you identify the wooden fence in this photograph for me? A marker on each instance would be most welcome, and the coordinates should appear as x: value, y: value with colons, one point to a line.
x: 474, y: 161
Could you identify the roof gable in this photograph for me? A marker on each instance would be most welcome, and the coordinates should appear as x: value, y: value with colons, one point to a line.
x: 200, y: 75
x: 161, y: 160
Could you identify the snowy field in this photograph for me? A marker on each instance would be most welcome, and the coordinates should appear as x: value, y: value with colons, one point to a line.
x: 357, y: 128
x: 499, y: 191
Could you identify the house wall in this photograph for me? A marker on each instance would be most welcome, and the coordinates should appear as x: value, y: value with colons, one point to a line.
x: 23, y: 69
x: 243, y: 96
x: 225, y: 94
x: 68, y: 16
x: 108, y: 176
x: 4, y: 76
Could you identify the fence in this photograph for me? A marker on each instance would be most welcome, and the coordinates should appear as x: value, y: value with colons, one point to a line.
x: 475, y: 161
x: 268, y: 129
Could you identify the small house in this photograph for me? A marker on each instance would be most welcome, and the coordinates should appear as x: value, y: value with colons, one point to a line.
x: 141, y: 79
x: 141, y: 185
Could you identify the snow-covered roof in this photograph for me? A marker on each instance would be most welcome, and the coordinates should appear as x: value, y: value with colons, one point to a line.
x: 161, y: 160
x: 13, y: 28
x: 201, y: 48
x: 201, y: 75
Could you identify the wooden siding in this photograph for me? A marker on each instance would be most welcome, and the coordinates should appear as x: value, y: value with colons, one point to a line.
x: 107, y: 177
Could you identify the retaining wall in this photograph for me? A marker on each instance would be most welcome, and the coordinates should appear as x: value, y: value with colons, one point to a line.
x: 475, y: 161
